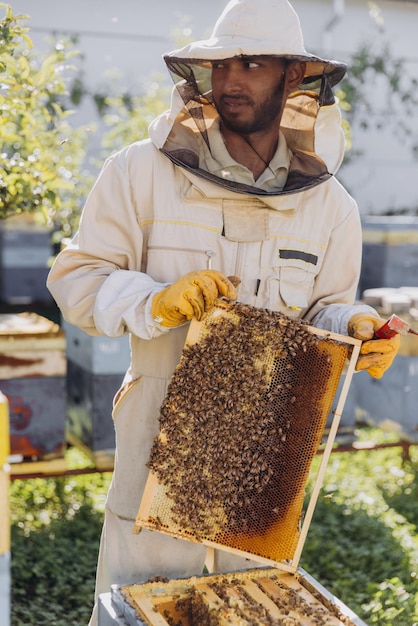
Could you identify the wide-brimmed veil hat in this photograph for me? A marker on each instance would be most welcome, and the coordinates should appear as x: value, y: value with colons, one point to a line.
x: 251, y: 28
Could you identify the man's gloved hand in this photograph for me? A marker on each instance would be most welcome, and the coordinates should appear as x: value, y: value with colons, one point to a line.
x: 376, y: 355
x: 190, y: 296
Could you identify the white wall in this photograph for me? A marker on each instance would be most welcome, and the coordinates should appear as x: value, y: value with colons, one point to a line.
x: 132, y: 35
x: 385, y: 177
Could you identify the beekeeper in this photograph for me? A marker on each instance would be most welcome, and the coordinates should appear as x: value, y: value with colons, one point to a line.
x: 237, y: 178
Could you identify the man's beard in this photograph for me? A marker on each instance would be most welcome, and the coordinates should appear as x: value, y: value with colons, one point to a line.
x: 265, y: 114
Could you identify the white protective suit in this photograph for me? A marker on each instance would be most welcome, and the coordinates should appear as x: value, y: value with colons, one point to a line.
x: 155, y: 214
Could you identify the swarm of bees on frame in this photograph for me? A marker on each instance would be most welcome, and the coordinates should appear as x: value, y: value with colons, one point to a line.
x: 249, y: 599
x: 237, y: 605
x: 240, y: 408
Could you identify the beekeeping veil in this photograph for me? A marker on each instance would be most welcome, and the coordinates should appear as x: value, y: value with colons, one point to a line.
x: 310, y: 117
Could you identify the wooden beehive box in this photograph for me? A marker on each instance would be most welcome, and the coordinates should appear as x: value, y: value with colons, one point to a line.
x: 95, y: 370
x: 33, y: 378
x: 265, y: 596
x: 25, y: 252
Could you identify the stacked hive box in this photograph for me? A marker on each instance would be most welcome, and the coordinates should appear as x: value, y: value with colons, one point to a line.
x: 390, y: 402
x: 390, y: 257
x: 32, y: 377
x: 390, y: 252
x: 25, y: 252
x: 95, y: 370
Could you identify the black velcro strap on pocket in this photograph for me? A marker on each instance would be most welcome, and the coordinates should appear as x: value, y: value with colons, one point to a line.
x: 300, y: 255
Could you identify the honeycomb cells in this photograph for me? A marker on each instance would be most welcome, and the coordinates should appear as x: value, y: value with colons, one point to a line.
x: 240, y: 425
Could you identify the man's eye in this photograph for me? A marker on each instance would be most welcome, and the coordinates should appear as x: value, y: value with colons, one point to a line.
x: 218, y: 65
x: 251, y: 65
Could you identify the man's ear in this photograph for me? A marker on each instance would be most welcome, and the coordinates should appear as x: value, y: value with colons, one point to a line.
x: 295, y: 73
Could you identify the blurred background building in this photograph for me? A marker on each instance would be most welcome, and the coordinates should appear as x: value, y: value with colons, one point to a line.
x: 128, y: 38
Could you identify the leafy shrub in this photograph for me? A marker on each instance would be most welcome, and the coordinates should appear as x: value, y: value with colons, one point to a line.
x: 55, y: 569
x: 351, y: 552
x: 362, y: 544
x: 56, y: 526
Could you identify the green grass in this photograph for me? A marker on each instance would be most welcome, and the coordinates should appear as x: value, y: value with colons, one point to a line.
x: 362, y: 544
x: 55, y: 532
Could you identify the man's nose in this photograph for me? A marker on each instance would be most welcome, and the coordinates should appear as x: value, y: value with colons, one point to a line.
x: 233, y: 80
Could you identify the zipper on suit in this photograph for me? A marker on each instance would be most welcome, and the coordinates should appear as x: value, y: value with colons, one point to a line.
x: 209, y: 255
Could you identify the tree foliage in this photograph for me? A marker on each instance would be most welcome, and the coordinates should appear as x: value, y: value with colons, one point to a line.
x: 42, y: 155
x: 379, y: 92
x: 127, y: 117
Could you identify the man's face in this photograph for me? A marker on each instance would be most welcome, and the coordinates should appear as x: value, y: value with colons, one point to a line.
x: 248, y: 92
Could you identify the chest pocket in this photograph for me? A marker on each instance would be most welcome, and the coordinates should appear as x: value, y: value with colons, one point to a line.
x: 289, y: 267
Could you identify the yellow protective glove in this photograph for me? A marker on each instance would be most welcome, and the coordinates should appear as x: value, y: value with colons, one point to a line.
x: 190, y: 296
x: 376, y: 355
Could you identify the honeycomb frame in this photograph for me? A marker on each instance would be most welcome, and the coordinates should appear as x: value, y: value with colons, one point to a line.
x: 244, y: 415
